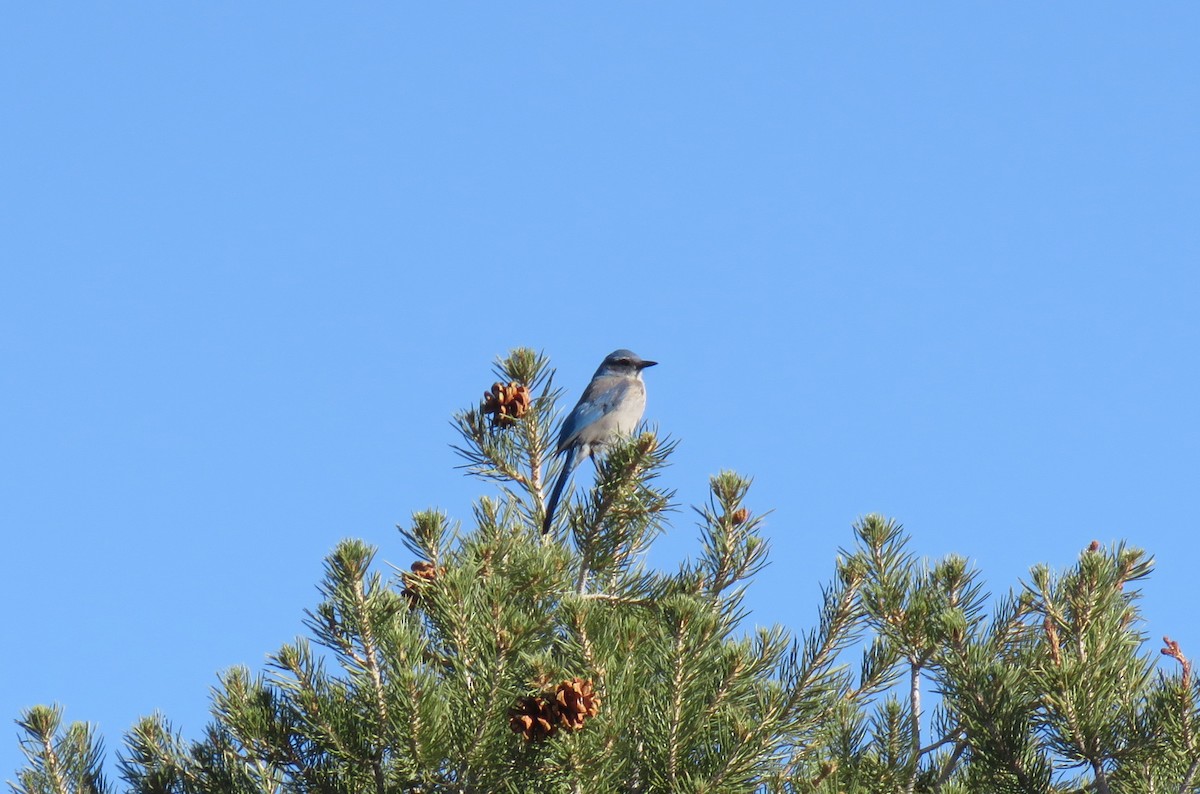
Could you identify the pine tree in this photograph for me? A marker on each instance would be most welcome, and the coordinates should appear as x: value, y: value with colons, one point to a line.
x: 505, y: 660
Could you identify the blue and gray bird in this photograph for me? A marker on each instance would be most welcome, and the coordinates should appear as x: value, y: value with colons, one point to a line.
x: 611, y: 407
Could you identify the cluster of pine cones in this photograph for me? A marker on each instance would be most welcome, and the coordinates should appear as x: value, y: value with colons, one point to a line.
x: 506, y: 403
x: 568, y: 707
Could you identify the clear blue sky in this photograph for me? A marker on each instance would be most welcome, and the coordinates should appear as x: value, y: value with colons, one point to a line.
x: 940, y: 261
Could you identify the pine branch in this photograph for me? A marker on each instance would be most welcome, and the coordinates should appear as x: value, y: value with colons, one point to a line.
x: 66, y: 763
x: 513, y: 445
x: 308, y: 682
x: 491, y: 707
x: 914, y: 716
x: 370, y: 647
x: 1186, y: 786
x: 619, y: 517
x: 675, y: 720
x: 960, y: 745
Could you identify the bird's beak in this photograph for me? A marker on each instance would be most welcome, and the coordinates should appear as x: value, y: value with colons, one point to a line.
x: 644, y: 364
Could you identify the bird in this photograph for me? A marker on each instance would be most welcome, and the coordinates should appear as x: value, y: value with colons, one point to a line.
x: 611, y: 406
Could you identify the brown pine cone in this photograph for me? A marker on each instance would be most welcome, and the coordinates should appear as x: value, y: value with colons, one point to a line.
x: 423, y: 573
x: 533, y: 718
x: 577, y: 701
x: 506, y: 403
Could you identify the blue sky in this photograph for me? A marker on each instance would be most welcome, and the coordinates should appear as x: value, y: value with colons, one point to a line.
x: 939, y: 261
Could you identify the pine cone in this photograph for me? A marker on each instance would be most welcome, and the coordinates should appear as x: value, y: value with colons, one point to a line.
x: 423, y: 573
x: 577, y: 701
x: 533, y: 718
x: 537, y: 717
x: 506, y: 403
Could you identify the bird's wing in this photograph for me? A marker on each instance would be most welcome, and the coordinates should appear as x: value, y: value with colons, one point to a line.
x: 600, y: 398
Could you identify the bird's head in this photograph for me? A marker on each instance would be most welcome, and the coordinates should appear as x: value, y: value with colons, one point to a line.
x: 623, y: 362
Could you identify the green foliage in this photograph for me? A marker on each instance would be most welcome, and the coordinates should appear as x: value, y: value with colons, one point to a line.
x: 60, y: 761
x: 410, y: 681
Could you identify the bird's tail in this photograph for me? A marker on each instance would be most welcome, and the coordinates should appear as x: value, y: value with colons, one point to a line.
x: 556, y: 494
